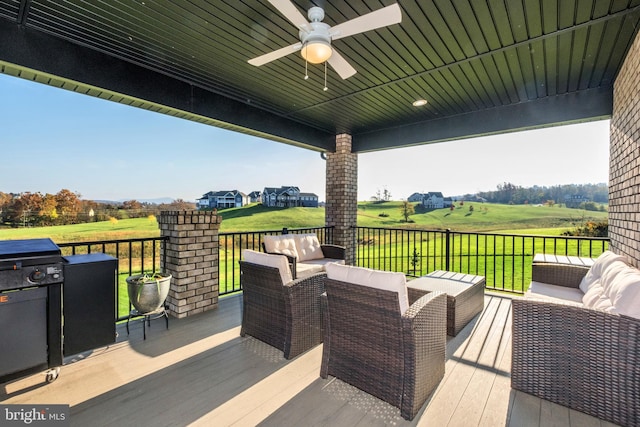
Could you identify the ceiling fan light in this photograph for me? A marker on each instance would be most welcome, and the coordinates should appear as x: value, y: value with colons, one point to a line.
x: 316, y: 51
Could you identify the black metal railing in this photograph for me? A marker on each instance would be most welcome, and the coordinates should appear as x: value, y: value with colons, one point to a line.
x: 135, y: 256
x: 504, y: 259
x: 231, y: 246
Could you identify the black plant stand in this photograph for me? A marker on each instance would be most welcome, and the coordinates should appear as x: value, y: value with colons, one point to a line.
x: 147, y: 317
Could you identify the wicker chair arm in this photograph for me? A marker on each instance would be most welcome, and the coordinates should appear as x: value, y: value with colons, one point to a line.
x: 575, y: 356
x: 312, y: 280
x: 333, y: 251
x: 558, y: 274
x: 425, y: 336
x: 304, y: 328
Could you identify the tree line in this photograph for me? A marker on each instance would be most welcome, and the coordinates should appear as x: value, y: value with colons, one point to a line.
x: 509, y: 193
x: 66, y: 207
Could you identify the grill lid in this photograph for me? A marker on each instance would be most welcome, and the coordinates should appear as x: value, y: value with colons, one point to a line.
x: 28, y: 248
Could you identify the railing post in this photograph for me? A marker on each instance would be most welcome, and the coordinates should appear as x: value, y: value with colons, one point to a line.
x: 191, y: 257
x: 447, y: 249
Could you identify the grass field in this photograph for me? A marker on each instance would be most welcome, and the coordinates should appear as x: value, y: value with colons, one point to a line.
x: 508, y: 260
x: 484, y: 217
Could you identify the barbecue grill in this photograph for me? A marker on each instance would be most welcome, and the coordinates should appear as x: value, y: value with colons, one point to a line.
x: 31, y: 277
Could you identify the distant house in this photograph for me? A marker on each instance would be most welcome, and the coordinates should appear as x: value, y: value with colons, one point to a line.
x: 416, y: 197
x: 222, y: 200
x: 286, y: 197
x: 433, y: 200
x: 255, y: 197
x: 575, y: 200
x: 308, y: 200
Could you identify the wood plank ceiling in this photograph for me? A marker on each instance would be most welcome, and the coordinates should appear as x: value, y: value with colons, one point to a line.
x: 483, y: 66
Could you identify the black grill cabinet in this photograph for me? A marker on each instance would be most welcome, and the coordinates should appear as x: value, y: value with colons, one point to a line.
x: 89, y: 302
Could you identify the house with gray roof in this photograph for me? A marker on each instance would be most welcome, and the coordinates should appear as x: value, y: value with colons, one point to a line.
x: 222, y: 200
x: 288, y: 196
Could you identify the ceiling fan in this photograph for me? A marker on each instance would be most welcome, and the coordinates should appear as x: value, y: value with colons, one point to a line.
x: 316, y: 36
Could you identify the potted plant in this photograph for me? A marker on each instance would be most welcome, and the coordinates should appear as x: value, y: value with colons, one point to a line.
x: 147, y: 292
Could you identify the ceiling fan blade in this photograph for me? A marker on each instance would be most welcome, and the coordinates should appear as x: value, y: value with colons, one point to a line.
x: 291, y: 12
x: 379, y: 18
x: 342, y: 67
x: 276, y: 54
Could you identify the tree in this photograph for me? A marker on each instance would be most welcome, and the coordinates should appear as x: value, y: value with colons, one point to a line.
x: 68, y: 206
x: 131, y: 205
x: 48, y: 210
x: 386, y: 195
x: 25, y: 209
x: 407, y: 209
x: 177, y: 205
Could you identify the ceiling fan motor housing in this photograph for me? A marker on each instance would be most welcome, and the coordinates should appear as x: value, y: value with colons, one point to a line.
x: 319, y: 34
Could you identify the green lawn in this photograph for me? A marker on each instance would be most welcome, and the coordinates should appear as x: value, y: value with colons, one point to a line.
x: 484, y: 217
x: 94, y: 231
x: 512, y: 258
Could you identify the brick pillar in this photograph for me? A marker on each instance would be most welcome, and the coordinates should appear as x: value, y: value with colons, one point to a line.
x: 624, y: 159
x: 342, y: 195
x: 191, y: 257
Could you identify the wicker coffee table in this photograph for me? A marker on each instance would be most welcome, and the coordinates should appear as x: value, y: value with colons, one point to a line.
x: 465, y: 295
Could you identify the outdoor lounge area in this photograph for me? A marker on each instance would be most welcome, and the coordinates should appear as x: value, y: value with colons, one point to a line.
x: 202, y: 372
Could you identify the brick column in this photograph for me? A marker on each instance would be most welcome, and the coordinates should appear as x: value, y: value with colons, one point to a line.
x: 191, y: 257
x: 624, y: 159
x: 342, y: 195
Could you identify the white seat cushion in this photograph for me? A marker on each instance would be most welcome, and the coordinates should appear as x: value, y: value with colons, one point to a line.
x: 308, y: 247
x: 284, y: 244
x: 556, y: 293
x: 306, y: 269
x: 386, y: 280
x: 278, y: 261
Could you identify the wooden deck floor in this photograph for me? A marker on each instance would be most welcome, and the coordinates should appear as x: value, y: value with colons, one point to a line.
x: 201, y: 372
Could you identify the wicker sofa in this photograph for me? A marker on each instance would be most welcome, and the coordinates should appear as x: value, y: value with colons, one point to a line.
x: 305, y: 253
x: 576, y: 338
x: 278, y: 310
x: 377, y: 342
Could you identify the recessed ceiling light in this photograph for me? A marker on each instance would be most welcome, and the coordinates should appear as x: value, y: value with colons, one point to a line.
x: 419, y: 102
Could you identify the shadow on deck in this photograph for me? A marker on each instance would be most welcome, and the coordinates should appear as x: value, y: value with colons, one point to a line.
x: 201, y: 372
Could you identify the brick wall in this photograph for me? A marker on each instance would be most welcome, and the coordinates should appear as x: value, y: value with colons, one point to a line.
x: 192, y: 259
x: 342, y: 195
x: 624, y: 163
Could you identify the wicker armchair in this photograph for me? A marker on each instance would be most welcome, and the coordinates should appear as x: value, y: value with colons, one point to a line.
x: 579, y: 357
x: 398, y: 358
x: 284, y: 315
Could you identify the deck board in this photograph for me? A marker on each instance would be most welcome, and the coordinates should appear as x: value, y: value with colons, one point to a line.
x: 200, y: 372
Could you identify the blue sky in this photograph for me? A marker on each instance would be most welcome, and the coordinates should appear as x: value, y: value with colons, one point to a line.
x: 53, y: 139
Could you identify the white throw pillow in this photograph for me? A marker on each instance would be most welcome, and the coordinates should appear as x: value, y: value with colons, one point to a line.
x: 595, y: 272
x: 385, y: 280
x: 611, y: 273
x: 592, y: 295
x: 308, y: 247
x: 283, y: 244
x: 624, y: 292
x: 278, y: 261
